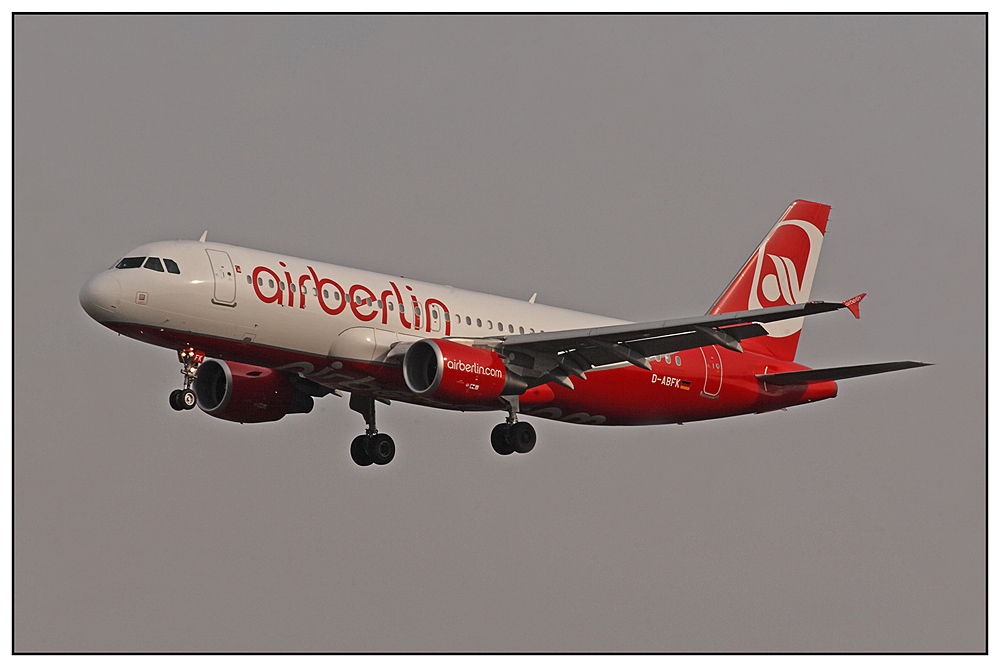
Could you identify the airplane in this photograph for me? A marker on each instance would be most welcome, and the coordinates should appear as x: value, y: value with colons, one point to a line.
x: 261, y: 335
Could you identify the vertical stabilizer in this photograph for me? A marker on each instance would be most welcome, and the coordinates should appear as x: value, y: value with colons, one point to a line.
x: 779, y: 273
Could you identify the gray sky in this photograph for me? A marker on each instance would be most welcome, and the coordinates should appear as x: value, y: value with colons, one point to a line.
x: 621, y: 166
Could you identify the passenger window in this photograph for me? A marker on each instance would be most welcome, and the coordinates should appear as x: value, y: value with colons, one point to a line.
x: 249, y: 280
x: 479, y: 323
x: 499, y: 326
x: 172, y: 266
x: 130, y: 263
x: 389, y: 303
x: 270, y: 283
x: 291, y: 287
x: 281, y: 285
x: 326, y: 294
x: 447, y: 317
x: 336, y: 295
x: 468, y: 320
x: 521, y: 329
x: 260, y: 282
x: 154, y: 264
x: 531, y: 330
x: 489, y: 324
x: 510, y: 328
x: 379, y: 304
x: 314, y: 291
x: 677, y: 360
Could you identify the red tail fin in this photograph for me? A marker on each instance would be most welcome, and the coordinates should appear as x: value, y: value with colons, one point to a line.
x: 779, y: 273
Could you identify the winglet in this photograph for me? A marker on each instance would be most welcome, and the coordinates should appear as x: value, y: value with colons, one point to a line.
x: 853, y: 304
x: 203, y: 237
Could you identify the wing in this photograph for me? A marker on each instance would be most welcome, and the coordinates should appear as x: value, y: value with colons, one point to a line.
x: 554, y: 356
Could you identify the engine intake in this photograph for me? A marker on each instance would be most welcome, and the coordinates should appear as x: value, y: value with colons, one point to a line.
x: 451, y: 372
x: 247, y: 394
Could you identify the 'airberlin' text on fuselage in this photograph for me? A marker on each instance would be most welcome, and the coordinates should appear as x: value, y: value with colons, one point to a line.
x: 362, y: 300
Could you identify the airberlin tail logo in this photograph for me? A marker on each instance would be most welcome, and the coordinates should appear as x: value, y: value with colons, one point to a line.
x: 783, y: 283
x: 786, y: 265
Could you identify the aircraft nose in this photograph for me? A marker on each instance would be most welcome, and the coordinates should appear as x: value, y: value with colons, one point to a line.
x: 99, y: 296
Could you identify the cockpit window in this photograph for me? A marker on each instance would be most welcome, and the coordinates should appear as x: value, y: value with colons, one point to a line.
x: 130, y: 263
x: 171, y: 266
x: 154, y: 264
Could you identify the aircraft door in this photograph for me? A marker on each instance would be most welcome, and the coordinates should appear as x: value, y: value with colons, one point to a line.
x: 225, y: 281
x: 713, y: 372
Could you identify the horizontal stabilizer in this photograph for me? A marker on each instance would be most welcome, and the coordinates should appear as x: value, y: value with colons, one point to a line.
x: 838, y: 373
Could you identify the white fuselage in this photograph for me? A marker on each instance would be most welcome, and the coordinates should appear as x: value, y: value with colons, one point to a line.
x: 309, y: 311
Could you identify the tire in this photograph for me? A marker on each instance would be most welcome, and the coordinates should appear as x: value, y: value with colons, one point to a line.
x: 175, y: 400
x: 358, y: 453
x: 498, y: 438
x: 383, y: 449
x: 522, y: 436
x: 188, y: 399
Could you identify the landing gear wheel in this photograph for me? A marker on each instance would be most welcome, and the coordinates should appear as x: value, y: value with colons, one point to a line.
x: 382, y: 448
x: 175, y: 399
x: 187, y: 399
x: 499, y: 440
x: 360, y: 451
x: 372, y: 447
x: 522, y: 436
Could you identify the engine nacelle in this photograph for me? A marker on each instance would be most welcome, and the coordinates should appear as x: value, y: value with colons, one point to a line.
x: 451, y: 372
x: 247, y: 394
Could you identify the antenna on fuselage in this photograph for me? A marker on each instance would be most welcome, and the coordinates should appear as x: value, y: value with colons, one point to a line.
x: 532, y: 299
x: 203, y: 236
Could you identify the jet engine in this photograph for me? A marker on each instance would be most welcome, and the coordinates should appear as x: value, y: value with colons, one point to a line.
x: 451, y: 372
x: 247, y: 394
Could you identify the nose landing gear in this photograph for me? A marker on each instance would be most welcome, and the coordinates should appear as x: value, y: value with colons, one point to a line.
x: 184, y: 399
x: 372, y: 447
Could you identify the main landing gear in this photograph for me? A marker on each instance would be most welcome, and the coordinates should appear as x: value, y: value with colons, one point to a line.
x: 372, y: 447
x: 184, y: 399
x: 513, y: 436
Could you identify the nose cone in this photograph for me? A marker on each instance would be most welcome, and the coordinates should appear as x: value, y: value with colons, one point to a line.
x: 99, y: 296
